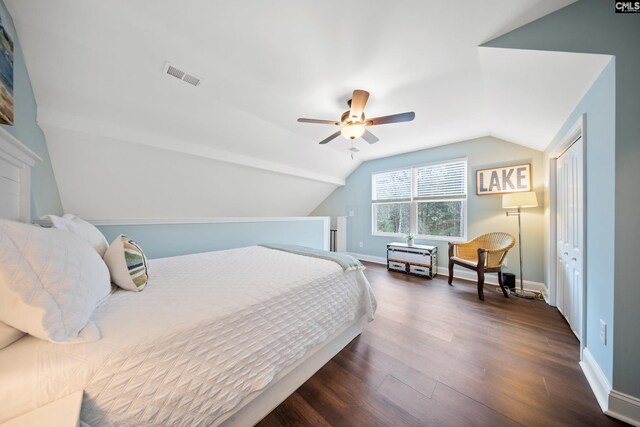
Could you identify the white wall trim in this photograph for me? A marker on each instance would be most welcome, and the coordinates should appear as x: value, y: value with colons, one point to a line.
x: 17, y: 149
x: 212, y: 220
x: 369, y: 258
x: 326, y: 241
x: 577, y: 131
x: 624, y: 407
x: 490, y: 278
x: 596, y: 378
x: 19, y: 158
x: 60, y: 120
x: 612, y: 402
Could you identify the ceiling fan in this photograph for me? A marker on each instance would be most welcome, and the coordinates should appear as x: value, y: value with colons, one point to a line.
x: 354, y: 123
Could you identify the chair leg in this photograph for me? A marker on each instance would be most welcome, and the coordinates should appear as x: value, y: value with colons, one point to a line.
x: 481, y: 255
x: 504, y: 289
x: 450, y: 272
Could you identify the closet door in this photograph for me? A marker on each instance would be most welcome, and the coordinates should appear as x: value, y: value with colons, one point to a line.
x: 569, y: 191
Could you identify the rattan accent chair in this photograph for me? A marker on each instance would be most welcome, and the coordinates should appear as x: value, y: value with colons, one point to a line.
x: 484, y: 254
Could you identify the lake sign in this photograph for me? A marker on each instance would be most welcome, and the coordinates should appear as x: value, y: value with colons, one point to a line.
x: 508, y: 179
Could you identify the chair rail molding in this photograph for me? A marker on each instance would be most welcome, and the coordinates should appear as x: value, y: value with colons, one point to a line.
x: 207, y: 220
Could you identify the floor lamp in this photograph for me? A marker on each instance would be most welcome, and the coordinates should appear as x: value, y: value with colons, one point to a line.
x: 518, y: 201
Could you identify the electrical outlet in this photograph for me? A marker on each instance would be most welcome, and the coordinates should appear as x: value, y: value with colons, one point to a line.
x: 352, y: 213
x: 603, y: 332
x: 362, y: 244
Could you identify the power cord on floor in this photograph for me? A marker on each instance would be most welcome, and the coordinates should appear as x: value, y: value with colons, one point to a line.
x: 538, y: 296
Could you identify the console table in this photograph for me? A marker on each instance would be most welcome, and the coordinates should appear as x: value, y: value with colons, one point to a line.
x: 419, y: 260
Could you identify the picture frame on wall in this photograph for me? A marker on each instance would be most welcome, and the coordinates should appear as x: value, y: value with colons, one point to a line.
x: 7, y: 37
x: 506, y: 179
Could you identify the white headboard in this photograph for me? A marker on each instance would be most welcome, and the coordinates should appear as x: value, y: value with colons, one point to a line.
x: 16, y: 161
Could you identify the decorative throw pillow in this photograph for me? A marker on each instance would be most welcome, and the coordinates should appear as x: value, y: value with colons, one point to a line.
x: 81, y: 228
x: 50, y: 283
x: 127, y: 264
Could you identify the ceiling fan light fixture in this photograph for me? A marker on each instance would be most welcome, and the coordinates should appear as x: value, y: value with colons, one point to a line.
x: 353, y: 122
x: 353, y: 131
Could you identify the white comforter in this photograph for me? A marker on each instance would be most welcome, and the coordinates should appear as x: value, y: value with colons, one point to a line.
x: 209, y: 330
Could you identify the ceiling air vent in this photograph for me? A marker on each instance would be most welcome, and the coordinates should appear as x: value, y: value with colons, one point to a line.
x: 192, y: 80
x: 182, y: 75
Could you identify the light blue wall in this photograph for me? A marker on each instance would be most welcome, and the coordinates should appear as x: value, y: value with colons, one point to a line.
x: 599, y: 106
x: 485, y: 213
x: 592, y: 26
x: 164, y: 240
x: 44, y: 191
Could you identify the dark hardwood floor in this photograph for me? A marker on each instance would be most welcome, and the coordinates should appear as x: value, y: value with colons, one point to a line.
x: 437, y: 356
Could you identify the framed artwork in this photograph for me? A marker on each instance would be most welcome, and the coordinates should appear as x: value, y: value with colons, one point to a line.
x: 507, y: 179
x: 7, y: 36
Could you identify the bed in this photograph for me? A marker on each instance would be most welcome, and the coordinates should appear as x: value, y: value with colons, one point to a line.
x: 217, y: 338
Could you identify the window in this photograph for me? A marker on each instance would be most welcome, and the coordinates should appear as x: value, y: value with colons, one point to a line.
x: 392, y: 218
x: 392, y: 202
x: 428, y: 200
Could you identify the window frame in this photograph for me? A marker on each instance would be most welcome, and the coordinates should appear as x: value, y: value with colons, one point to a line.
x: 413, y: 203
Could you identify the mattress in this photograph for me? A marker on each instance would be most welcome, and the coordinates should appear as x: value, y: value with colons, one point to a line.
x: 209, y: 330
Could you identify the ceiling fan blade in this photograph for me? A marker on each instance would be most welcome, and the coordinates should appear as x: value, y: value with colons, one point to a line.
x: 332, y: 137
x: 369, y: 137
x: 322, y: 122
x: 394, y: 118
x: 358, y: 101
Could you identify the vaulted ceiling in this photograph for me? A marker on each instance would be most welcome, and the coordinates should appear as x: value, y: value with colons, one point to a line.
x: 115, y: 123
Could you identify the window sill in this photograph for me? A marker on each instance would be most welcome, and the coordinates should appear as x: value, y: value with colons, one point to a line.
x: 437, y: 238
x: 399, y: 235
x: 443, y: 238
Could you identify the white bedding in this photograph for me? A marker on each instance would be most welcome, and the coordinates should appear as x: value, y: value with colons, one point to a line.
x: 209, y: 330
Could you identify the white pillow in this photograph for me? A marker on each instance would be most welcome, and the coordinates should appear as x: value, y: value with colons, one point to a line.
x: 50, y: 282
x: 127, y: 264
x: 80, y: 227
x: 8, y: 335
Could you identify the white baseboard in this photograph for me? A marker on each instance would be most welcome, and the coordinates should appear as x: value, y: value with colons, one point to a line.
x: 459, y: 273
x: 612, y: 402
x: 624, y: 407
x: 369, y: 258
x: 596, y: 378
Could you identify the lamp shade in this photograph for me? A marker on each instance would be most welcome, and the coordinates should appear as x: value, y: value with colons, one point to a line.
x: 525, y: 199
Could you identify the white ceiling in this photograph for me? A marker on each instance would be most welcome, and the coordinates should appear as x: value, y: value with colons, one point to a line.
x: 96, y: 68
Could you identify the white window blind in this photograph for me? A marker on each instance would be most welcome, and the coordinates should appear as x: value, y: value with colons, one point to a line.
x: 442, y: 180
x: 392, y: 186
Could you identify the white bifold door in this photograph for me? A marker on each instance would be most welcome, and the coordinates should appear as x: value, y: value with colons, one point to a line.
x: 570, y: 249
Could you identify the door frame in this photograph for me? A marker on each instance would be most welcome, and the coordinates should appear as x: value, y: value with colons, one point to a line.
x: 577, y: 131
